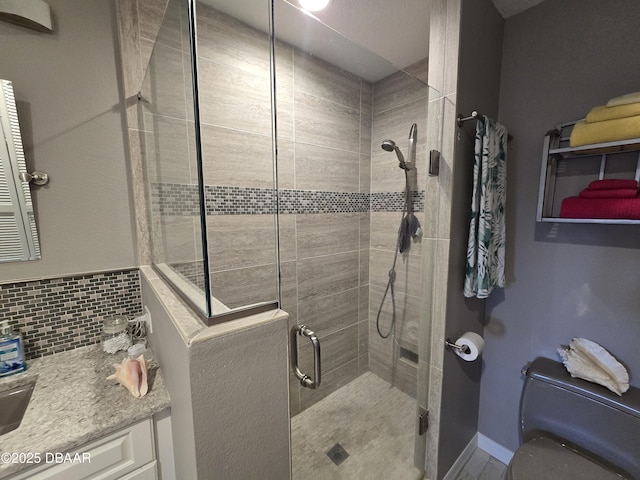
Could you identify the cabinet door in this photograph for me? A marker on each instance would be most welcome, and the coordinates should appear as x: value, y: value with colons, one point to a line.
x: 108, y: 458
x: 148, y: 472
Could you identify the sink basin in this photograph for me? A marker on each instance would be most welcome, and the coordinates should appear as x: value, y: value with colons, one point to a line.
x: 13, y: 403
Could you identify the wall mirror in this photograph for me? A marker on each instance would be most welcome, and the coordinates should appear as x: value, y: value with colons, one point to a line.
x: 18, y: 232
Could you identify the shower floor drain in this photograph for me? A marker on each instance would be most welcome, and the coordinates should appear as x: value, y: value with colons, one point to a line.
x: 337, y: 454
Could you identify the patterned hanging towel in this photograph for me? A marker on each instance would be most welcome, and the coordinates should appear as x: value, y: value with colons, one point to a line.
x: 485, y: 250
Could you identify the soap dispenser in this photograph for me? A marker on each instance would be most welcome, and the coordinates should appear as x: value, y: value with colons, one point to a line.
x: 11, y: 351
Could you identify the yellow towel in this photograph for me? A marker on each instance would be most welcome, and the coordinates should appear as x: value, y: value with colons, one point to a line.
x: 599, y: 114
x: 624, y: 99
x: 584, y: 133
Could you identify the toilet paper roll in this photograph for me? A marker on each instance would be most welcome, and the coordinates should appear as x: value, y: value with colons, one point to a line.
x: 473, y: 345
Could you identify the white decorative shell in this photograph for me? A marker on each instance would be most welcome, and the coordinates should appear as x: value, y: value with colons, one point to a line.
x: 132, y: 374
x: 588, y: 360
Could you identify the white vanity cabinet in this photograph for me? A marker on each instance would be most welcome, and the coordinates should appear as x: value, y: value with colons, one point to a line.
x: 128, y: 454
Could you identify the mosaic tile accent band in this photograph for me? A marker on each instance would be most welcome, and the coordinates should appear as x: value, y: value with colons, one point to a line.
x: 182, y: 199
x: 58, y: 314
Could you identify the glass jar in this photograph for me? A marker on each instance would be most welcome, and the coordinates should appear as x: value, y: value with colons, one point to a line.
x: 115, y: 334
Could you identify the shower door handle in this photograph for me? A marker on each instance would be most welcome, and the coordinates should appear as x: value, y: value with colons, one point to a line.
x: 305, y: 380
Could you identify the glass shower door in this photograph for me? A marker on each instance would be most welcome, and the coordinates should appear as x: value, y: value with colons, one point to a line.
x: 341, y: 200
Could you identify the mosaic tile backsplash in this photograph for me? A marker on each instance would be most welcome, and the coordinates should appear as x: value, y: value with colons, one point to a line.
x: 58, y: 314
x: 182, y: 199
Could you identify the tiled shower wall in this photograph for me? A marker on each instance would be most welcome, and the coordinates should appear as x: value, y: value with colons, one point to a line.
x: 335, y: 186
x: 58, y: 314
x: 398, y: 101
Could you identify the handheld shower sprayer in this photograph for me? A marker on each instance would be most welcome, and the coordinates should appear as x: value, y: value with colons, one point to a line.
x: 390, y: 146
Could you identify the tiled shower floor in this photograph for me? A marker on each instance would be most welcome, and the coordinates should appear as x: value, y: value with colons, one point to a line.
x: 373, y: 422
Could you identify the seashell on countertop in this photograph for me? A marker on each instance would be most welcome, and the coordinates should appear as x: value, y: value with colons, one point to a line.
x: 132, y: 374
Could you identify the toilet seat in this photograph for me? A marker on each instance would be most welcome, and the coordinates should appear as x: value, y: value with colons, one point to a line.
x: 545, y: 459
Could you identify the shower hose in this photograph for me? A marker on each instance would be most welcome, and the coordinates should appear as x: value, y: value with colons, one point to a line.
x: 392, y: 272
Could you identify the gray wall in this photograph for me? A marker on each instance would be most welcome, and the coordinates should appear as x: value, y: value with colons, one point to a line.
x: 478, y: 88
x: 559, y: 60
x: 67, y: 92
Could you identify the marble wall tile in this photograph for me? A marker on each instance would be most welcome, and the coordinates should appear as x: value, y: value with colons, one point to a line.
x: 365, y: 227
x: 167, y: 94
x: 385, y: 362
x: 363, y: 339
x: 226, y: 40
x: 420, y: 70
x: 439, y: 304
x: 327, y: 275
x: 452, y: 47
x: 127, y: 12
x: 245, y: 286
x: 433, y: 433
x: 234, y: 98
x: 437, y: 43
x: 384, y: 231
x: 366, y: 121
x: 284, y: 91
x: 171, y: 15
x: 287, y: 237
x: 146, y: 49
x: 395, y: 124
x: 365, y: 173
x: 408, y: 272
x: 321, y: 79
x: 427, y: 327
x: 321, y: 122
x: 237, y: 241
x: 178, y: 238
x: 366, y: 98
x: 408, y: 317
x: 363, y: 303
x: 331, y: 381
x: 326, y: 315
x: 396, y: 90
x: 445, y: 182
x: 364, y: 267
x: 286, y: 159
x: 151, y: 13
x: 322, y: 168
x: 140, y: 203
x: 236, y: 158
x: 338, y: 349
x: 171, y: 147
x: 326, y: 233
x: 289, y: 290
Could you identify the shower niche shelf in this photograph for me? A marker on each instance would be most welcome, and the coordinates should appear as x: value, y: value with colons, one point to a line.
x: 565, y: 171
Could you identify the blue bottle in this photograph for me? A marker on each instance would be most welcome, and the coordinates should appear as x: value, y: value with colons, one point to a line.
x: 11, y: 351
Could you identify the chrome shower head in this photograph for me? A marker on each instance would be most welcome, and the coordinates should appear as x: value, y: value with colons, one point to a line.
x: 390, y: 146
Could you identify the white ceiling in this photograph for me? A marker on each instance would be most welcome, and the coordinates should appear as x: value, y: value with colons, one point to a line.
x: 396, y: 30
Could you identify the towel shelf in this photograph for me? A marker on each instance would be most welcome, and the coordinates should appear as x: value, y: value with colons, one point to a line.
x: 566, y: 170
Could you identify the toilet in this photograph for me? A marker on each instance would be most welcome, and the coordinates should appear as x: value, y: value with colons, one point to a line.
x: 574, y: 429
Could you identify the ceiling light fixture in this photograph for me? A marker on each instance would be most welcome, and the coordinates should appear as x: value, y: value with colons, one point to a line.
x: 313, y: 5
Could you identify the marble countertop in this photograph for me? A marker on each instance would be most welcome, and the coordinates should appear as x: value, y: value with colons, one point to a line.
x: 73, y: 403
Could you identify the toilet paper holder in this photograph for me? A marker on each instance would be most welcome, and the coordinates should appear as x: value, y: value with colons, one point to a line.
x: 454, y: 346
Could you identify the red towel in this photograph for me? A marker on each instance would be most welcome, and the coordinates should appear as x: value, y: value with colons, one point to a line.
x: 576, y: 207
x: 609, y: 193
x: 612, y: 183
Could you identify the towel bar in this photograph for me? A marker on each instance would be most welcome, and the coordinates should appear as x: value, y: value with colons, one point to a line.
x: 475, y: 116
